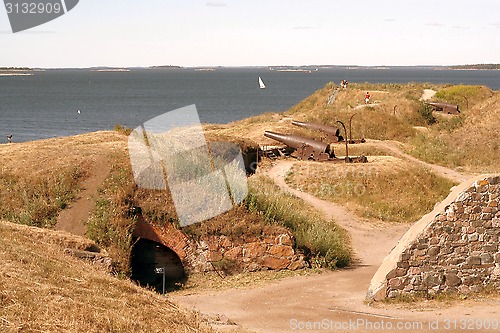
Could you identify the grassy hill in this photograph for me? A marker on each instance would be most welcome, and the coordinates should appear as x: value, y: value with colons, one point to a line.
x: 390, y: 187
x: 43, y: 289
x: 468, y: 141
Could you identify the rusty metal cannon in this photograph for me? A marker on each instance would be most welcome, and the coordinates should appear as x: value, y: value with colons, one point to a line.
x: 330, y: 133
x: 305, y: 148
x: 445, y: 107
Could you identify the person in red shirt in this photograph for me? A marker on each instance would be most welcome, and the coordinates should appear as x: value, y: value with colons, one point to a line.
x: 367, y: 97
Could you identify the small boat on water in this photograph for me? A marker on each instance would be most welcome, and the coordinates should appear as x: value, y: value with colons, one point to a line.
x: 261, y: 83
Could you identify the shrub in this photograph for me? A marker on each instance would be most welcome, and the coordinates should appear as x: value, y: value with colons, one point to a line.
x: 425, y: 110
x: 122, y: 129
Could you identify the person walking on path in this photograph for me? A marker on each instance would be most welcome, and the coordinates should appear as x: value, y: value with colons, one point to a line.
x: 367, y: 98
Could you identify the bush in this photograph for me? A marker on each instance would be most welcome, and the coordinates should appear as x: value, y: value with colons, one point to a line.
x: 425, y: 110
x: 122, y: 129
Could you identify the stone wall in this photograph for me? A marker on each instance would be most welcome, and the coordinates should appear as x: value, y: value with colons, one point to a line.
x: 274, y: 249
x: 457, y: 252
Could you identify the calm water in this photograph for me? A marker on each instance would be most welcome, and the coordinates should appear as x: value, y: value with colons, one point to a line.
x: 46, y: 104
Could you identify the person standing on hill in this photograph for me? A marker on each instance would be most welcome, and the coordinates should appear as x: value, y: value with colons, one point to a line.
x: 367, y: 98
x: 9, y: 138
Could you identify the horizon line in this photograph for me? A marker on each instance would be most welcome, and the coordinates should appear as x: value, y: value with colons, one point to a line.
x: 239, y: 66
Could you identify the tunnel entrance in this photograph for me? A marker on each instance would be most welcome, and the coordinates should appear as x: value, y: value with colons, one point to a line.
x: 147, y: 256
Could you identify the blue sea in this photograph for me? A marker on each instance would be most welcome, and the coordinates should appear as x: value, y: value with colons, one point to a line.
x: 46, y: 104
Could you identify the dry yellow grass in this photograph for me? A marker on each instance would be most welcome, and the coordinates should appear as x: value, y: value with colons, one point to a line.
x: 471, y: 141
x: 387, y: 188
x: 38, y: 179
x: 44, y: 290
x: 44, y: 156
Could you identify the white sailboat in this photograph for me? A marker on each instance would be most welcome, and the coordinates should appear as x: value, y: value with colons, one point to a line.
x: 261, y: 83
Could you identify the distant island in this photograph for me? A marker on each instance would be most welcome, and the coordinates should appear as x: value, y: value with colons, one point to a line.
x: 15, y: 69
x: 477, y: 67
x: 165, y: 67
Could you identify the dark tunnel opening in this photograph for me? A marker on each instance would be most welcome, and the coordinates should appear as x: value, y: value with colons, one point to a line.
x: 147, y: 256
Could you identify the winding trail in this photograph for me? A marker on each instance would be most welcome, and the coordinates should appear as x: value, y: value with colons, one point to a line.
x: 336, y: 296
x: 445, y: 172
x: 378, y: 238
x: 427, y: 94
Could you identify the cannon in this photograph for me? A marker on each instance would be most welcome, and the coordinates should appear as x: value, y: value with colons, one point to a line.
x: 330, y: 133
x: 445, y: 107
x: 305, y: 148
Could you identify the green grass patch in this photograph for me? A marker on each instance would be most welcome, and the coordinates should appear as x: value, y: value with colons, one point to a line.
x: 323, y: 241
x: 463, y: 95
x: 436, y: 149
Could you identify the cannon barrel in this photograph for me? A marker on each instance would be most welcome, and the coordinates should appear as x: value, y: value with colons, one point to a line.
x: 297, y: 141
x: 334, y: 131
x: 451, y: 108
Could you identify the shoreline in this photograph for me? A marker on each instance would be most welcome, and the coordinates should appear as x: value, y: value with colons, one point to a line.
x: 23, y: 136
x: 16, y: 74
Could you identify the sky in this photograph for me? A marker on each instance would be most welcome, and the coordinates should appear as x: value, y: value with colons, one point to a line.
x: 126, y: 33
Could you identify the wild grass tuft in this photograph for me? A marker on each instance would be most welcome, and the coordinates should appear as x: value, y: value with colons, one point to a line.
x: 325, y: 243
x: 122, y: 129
x: 37, y: 199
x: 111, y: 224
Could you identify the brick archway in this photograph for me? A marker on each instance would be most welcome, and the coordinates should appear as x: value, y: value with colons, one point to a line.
x: 168, y: 236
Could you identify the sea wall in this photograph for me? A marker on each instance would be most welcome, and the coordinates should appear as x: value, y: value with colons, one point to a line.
x: 454, y: 249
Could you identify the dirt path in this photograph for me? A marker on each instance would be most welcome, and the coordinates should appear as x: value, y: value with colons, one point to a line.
x: 379, y: 238
x: 440, y: 170
x: 73, y: 218
x: 427, y: 94
x: 333, y: 296
x: 362, y: 106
